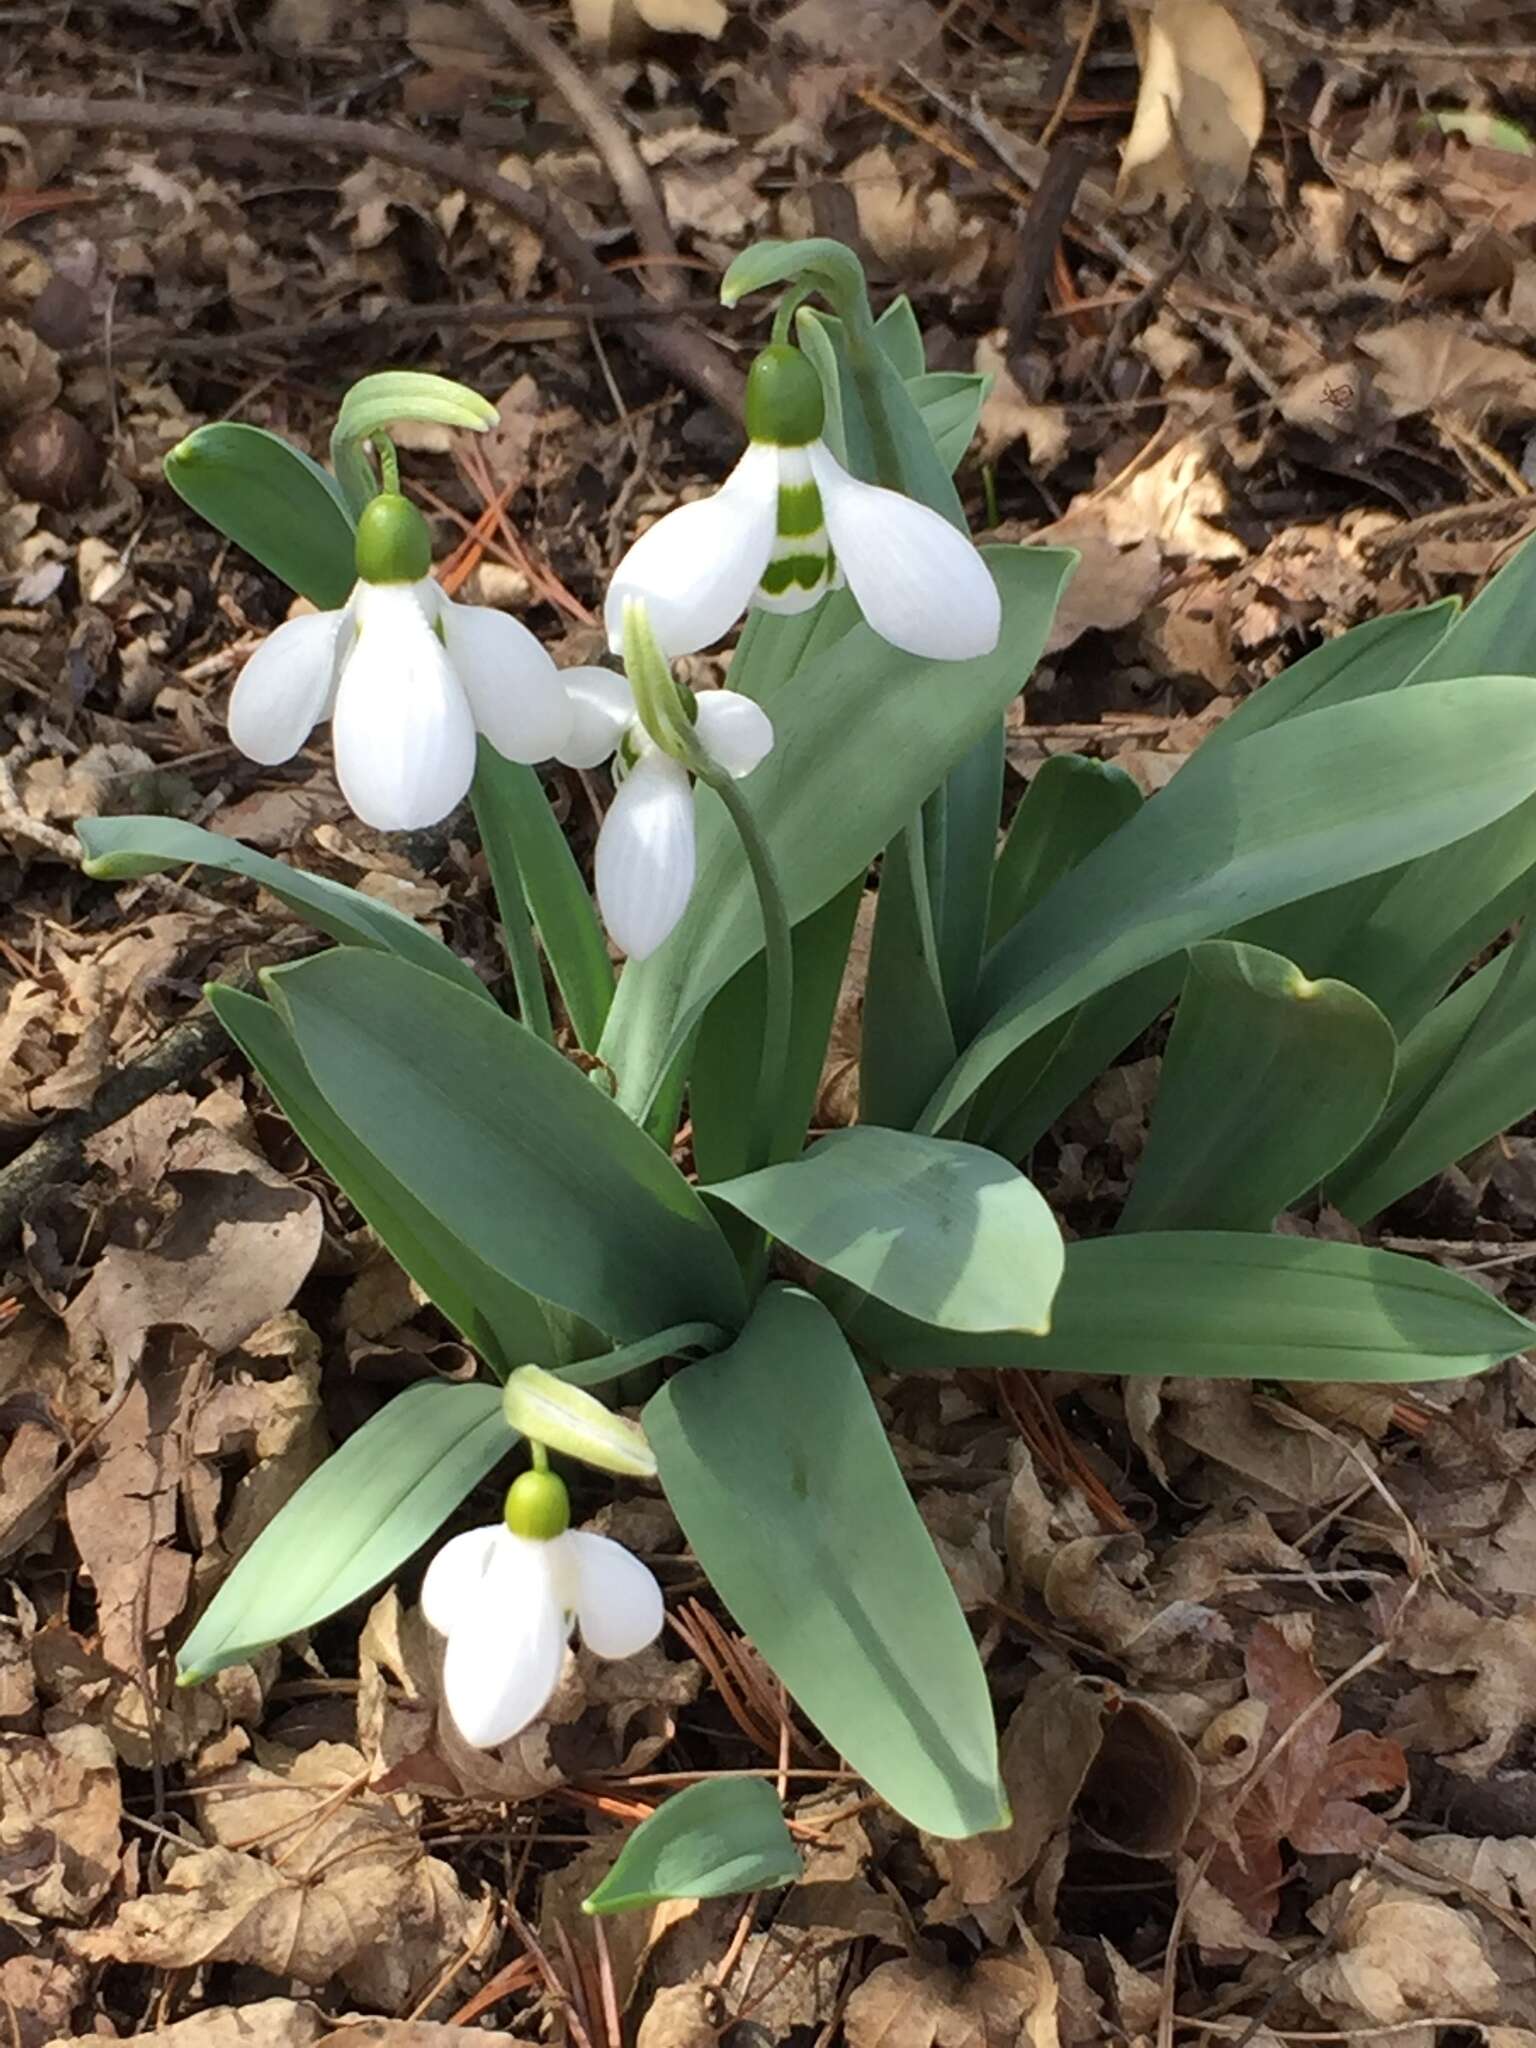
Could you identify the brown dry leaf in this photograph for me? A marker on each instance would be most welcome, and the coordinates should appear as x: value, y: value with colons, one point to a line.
x: 1435, y: 364
x: 1276, y: 1466
x: 1171, y: 498
x: 381, y: 2033
x: 1007, y: 416
x: 347, y: 1893
x: 914, y: 2004
x: 60, y: 1824
x: 621, y: 22
x: 913, y: 226
x: 1491, y: 1663
x: 232, y: 1256
x: 1200, y: 110
x: 1398, y: 1957
x: 38, y: 1995
x: 263, y: 2023
x: 1310, y: 1796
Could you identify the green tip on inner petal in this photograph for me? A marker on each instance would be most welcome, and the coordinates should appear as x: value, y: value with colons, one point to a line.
x: 538, y: 1506
x: 393, y: 543
x: 784, y: 398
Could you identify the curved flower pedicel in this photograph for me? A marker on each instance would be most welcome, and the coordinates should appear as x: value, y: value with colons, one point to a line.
x: 646, y: 858
x: 506, y: 1597
x: 406, y: 677
x: 788, y: 524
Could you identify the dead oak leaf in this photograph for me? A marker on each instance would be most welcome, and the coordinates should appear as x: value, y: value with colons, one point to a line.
x: 1399, y: 1957
x: 60, y: 1822
x: 912, y: 2003
x: 341, y: 1889
x: 1200, y: 110
x: 1309, y: 1795
x: 1435, y: 364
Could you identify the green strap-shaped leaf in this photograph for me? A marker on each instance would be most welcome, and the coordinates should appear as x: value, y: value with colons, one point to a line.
x: 1210, y: 1304
x: 1269, y: 1080
x: 526, y: 847
x: 272, y: 500
x: 1308, y: 804
x: 902, y: 339
x: 370, y: 1505
x: 725, y: 1835
x: 906, y: 1043
x: 943, y: 1231
x: 1071, y: 806
x: 1467, y: 1073
x: 147, y: 846
x: 861, y: 732
x: 949, y: 403
x: 504, y: 1323
x: 508, y: 1145
x: 777, y: 1465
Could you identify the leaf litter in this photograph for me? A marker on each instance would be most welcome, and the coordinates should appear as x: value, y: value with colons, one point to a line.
x: 1278, y: 381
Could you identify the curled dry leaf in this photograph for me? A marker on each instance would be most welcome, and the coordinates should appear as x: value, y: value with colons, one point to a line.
x: 60, y: 1824
x: 1489, y: 1697
x: 263, y: 2023
x: 1200, y: 110
x: 1435, y: 365
x: 1397, y: 1957
x: 332, y: 1883
x: 622, y: 23
x: 38, y: 1994
x: 918, y: 2004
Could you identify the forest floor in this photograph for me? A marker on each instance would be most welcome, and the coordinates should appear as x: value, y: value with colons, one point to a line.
x: 1288, y: 407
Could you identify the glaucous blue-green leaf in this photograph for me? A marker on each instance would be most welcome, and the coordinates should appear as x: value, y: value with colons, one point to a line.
x: 1268, y: 1081
x: 1213, y: 1304
x: 117, y: 847
x: 514, y: 1150
x: 1467, y: 1073
x: 528, y: 852
x: 950, y: 402
x: 1071, y: 806
x: 504, y: 1323
x: 1312, y: 802
x: 902, y: 339
x: 725, y: 1835
x: 943, y: 1231
x: 862, y: 733
x: 906, y: 1041
x: 371, y: 1504
x: 272, y: 500
x: 778, y: 1468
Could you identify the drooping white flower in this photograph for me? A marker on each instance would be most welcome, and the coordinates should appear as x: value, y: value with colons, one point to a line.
x: 788, y: 524
x: 507, y: 1602
x: 407, y: 678
x: 646, y: 859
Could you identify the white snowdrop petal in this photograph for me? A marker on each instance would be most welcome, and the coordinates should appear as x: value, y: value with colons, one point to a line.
x: 618, y: 1602
x: 919, y: 581
x: 403, y: 731
x: 514, y: 689
x: 697, y: 567
x: 503, y: 1660
x: 454, y: 1578
x: 284, y: 690
x: 734, y: 731
x: 644, y: 864
x: 602, y: 704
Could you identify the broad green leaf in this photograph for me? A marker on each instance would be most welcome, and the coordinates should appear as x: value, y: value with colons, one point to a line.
x: 1310, y: 803
x: 722, y: 1079
x: 942, y: 1231
x: 778, y: 1468
x: 272, y: 500
x: 1364, y: 662
x: 1467, y: 1073
x: 1268, y: 1081
x: 514, y: 1150
x: 371, y: 1504
x: 504, y: 1323
x: 863, y: 732
x: 518, y: 830
x: 1071, y: 806
x: 147, y: 846
x: 1218, y: 1304
x: 902, y: 339
x: 906, y: 1045
x: 725, y: 1835
x: 376, y: 402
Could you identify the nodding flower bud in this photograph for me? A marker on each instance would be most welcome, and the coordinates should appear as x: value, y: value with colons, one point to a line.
x: 538, y: 1506
x: 785, y: 405
x: 393, y: 544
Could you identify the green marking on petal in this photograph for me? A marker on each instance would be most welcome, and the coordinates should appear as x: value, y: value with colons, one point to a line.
x: 804, y: 572
x: 800, y: 513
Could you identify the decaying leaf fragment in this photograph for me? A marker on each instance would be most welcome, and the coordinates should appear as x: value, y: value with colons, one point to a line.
x: 625, y: 22
x: 1200, y: 110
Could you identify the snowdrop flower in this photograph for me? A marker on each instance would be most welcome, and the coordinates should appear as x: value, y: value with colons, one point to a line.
x: 505, y: 1597
x: 646, y: 859
x: 406, y: 677
x: 788, y: 524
